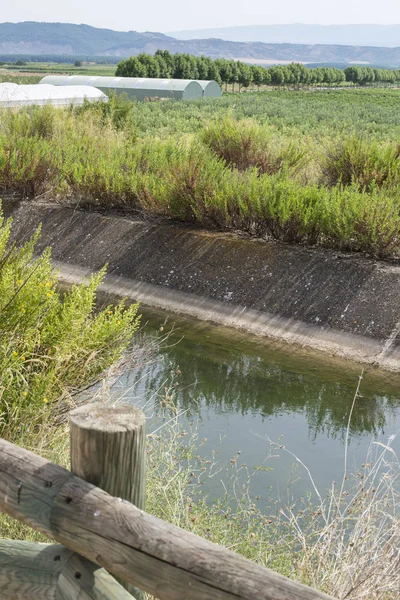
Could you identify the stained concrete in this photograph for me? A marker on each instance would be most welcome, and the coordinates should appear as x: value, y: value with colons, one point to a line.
x: 335, y: 302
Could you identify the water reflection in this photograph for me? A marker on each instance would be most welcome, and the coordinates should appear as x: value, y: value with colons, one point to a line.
x: 224, y: 379
x: 247, y: 392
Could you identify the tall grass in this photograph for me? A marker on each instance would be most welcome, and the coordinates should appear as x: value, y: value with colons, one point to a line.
x: 245, y: 144
x: 362, y: 162
x: 345, y: 542
x: 236, y: 175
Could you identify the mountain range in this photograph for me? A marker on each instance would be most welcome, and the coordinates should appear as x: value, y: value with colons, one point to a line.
x: 35, y: 39
x: 298, y: 33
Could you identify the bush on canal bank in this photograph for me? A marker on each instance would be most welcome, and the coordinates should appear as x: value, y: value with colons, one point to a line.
x: 236, y: 175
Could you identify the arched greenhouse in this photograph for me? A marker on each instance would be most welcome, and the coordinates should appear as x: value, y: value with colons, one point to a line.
x: 211, y: 89
x: 14, y: 95
x: 141, y: 88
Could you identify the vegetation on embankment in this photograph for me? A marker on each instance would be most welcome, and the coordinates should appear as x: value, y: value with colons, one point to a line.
x: 234, y: 174
x: 51, y: 346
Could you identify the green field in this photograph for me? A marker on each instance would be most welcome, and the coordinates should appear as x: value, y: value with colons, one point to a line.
x: 34, y: 72
x: 317, y: 167
x: 316, y: 113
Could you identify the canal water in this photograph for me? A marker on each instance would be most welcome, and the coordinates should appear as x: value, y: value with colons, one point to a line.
x: 282, y: 412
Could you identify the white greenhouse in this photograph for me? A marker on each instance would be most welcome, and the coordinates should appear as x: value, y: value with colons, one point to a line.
x: 141, y: 88
x: 211, y: 89
x: 14, y: 95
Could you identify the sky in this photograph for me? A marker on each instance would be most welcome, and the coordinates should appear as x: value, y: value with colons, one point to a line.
x: 173, y: 15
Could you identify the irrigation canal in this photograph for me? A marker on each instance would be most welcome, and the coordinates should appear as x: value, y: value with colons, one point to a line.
x: 244, y: 393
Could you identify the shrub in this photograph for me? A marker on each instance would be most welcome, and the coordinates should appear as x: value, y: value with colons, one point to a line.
x: 32, y: 122
x: 50, y: 345
x: 27, y: 165
x: 245, y: 144
x: 117, y: 112
x: 242, y: 178
x: 354, y: 220
x: 360, y: 161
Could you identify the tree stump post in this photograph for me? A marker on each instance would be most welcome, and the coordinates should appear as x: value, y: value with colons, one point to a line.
x: 108, y: 449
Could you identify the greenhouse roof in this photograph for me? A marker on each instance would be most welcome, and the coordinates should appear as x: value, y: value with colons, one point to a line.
x: 141, y: 87
x: 120, y: 82
x: 12, y: 95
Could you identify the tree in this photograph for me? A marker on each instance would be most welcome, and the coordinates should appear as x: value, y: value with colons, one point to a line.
x: 351, y: 74
x: 258, y: 75
x: 131, y: 67
x: 295, y: 74
x: 166, y: 63
x: 234, y: 73
x: 225, y: 70
x: 244, y: 75
x: 266, y: 76
x: 182, y: 67
x: 277, y: 76
x: 213, y: 72
x: 194, y: 72
x: 150, y: 64
x: 202, y: 67
x: 77, y: 63
x: 165, y: 71
x: 316, y: 76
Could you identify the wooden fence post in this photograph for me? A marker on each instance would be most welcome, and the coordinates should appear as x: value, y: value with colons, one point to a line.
x: 108, y: 449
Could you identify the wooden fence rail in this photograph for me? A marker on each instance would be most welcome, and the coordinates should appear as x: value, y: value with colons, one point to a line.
x: 32, y: 571
x: 108, y: 531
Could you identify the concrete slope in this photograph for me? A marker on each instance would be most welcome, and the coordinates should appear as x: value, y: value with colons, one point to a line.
x: 335, y: 302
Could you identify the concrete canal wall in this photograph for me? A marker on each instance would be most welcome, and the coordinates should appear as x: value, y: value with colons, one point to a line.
x: 334, y: 302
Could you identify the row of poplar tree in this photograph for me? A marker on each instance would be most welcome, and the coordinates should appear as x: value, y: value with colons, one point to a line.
x: 186, y: 66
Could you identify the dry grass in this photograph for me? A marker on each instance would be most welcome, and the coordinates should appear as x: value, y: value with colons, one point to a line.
x: 348, y: 543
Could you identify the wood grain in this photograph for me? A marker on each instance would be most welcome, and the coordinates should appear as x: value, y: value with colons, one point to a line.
x: 108, y: 449
x: 29, y: 570
x: 82, y: 580
x: 28, y: 484
x: 166, y: 561
x: 34, y: 571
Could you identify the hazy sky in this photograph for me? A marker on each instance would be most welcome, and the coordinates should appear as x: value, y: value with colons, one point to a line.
x: 172, y: 15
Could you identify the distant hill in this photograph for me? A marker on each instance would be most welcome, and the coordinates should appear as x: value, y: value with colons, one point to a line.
x: 31, y: 37
x: 297, y: 33
x: 35, y: 39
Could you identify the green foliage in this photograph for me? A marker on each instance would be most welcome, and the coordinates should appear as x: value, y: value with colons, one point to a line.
x: 50, y: 345
x: 187, y: 66
x: 244, y: 144
x: 116, y: 113
x: 235, y: 173
x: 364, y: 162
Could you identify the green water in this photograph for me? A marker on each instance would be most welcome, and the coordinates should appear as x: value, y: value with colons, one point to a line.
x: 246, y: 392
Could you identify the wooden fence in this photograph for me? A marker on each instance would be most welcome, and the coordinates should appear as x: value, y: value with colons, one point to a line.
x: 96, y: 512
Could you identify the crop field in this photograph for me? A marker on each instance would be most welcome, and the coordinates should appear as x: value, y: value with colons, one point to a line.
x: 309, y: 167
x: 315, y: 113
x: 59, y: 69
